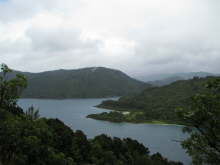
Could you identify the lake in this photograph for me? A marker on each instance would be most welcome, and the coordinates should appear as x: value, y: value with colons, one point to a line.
x: 73, y: 112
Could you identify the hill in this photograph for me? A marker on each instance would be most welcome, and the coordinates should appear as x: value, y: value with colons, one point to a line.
x: 182, y: 75
x: 81, y: 83
x: 166, y: 81
x: 154, y: 104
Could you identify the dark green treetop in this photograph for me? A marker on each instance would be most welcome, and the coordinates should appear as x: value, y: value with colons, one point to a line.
x: 10, y: 88
x: 204, y: 115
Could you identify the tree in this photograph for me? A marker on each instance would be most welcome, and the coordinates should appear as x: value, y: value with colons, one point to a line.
x: 32, y: 113
x: 10, y: 88
x: 204, y: 118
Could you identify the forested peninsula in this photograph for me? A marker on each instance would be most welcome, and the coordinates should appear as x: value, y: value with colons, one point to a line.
x: 156, y: 105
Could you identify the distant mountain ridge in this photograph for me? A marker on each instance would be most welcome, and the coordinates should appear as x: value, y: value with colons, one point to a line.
x: 91, y: 82
x: 166, y: 79
x: 185, y: 75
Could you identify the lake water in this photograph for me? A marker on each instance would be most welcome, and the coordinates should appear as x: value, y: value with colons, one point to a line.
x: 73, y: 112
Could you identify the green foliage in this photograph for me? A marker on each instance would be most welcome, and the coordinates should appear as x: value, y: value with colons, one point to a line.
x: 159, y: 103
x: 111, y: 116
x: 10, y: 89
x: 32, y: 114
x: 49, y: 141
x: 26, y: 139
x: 204, y: 115
x: 132, y: 117
x: 81, y: 83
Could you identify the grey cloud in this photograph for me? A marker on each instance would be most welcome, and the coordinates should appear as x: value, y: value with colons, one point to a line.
x: 15, y: 10
x: 20, y: 45
x: 59, y: 39
x: 50, y: 48
x: 12, y: 10
x: 166, y: 39
x: 178, y: 56
x: 57, y: 48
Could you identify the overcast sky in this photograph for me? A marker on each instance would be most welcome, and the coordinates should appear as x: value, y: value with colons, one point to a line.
x: 139, y: 37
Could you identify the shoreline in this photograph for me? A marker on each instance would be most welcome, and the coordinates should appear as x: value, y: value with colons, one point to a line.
x: 144, y: 122
x: 68, y: 98
x: 154, y: 122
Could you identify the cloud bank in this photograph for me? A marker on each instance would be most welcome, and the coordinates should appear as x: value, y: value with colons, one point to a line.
x: 139, y: 37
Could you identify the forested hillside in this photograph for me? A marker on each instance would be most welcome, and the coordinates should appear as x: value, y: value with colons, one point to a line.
x: 157, y: 103
x: 81, y: 83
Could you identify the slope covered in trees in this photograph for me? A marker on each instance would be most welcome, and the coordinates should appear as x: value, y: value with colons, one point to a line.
x: 27, y: 139
x: 81, y: 83
x: 156, y: 103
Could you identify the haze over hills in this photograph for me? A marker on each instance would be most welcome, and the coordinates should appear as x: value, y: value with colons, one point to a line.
x: 81, y: 83
x: 165, y: 79
x: 184, y: 75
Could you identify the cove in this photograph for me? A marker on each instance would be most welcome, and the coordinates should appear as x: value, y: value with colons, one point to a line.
x: 73, y: 112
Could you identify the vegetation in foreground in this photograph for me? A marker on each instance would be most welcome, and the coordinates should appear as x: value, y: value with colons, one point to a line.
x: 156, y: 103
x: 27, y: 139
x: 204, y: 117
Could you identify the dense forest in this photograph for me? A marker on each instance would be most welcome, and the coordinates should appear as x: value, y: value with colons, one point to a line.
x: 155, y: 103
x: 27, y: 139
x: 93, y: 82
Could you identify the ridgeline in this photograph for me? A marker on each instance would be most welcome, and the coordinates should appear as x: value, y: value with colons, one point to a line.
x: 97, y: 82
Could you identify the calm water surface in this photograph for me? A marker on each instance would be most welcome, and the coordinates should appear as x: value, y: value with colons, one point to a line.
x: 73, y: 112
